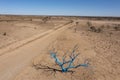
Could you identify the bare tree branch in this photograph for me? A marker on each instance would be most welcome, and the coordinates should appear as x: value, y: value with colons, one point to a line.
x: 70, y: 62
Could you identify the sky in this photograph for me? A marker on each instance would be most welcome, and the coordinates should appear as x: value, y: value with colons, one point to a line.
x: 61, y: 7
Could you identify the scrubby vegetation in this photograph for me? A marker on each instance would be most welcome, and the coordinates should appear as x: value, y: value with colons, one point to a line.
x: 93, y: 29
x: 65, y: 65
x: 69, y: 62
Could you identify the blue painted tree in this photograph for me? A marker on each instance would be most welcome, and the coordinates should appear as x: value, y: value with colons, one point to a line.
x: 69, y: 62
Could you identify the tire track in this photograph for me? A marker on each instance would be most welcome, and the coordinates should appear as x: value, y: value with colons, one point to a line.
x: 19, y: 44
x: 20, y: 57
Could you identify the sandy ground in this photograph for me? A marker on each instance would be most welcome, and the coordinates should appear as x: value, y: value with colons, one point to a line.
x: 14, y: 61
x: 101, y: 49
x: 14, y: 31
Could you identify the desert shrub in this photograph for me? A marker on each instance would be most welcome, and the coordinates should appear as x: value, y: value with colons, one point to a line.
x: 4, y: 34
x: 77, y: 23
x: 65, y: 65
x: 110, y: 34
x: 31, y: 19
x: 93, y: 29
x: 116, y: 28
x: 45, y: 19
x: 89, y: 24
x: 99, y: 30
x: 76, y: 26
x: 119, y: 25
x: 69, y: 62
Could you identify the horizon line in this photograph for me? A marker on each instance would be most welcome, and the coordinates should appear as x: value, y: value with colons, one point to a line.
x: 57, y: 15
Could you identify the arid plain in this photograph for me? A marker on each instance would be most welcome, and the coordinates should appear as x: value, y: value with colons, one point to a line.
x: 26, y: 41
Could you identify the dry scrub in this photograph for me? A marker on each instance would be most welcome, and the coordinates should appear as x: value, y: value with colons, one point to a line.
x: 100, y: 49
x: 63, y: 44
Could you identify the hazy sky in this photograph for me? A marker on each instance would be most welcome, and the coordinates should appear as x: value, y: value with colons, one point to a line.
x: 61, y: 7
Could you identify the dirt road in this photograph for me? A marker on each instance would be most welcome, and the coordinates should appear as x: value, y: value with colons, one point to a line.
x: 15, y: 59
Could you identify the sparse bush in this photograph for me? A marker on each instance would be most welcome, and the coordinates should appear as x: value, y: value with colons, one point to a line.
x: 89, y: 24
x: 117, y: 28
x: 69, y: 62
x: 31, y: 19
x: 45, y: 19
x: 119, y: 25
x: 98, y: 30
x: 110, y: 34
x: 65, y: 65
x: 4, y: 33
x: 93, y: 29
x: 76, y: 25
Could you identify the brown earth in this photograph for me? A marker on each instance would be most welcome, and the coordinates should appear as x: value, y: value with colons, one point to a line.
x: 101, y: 49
